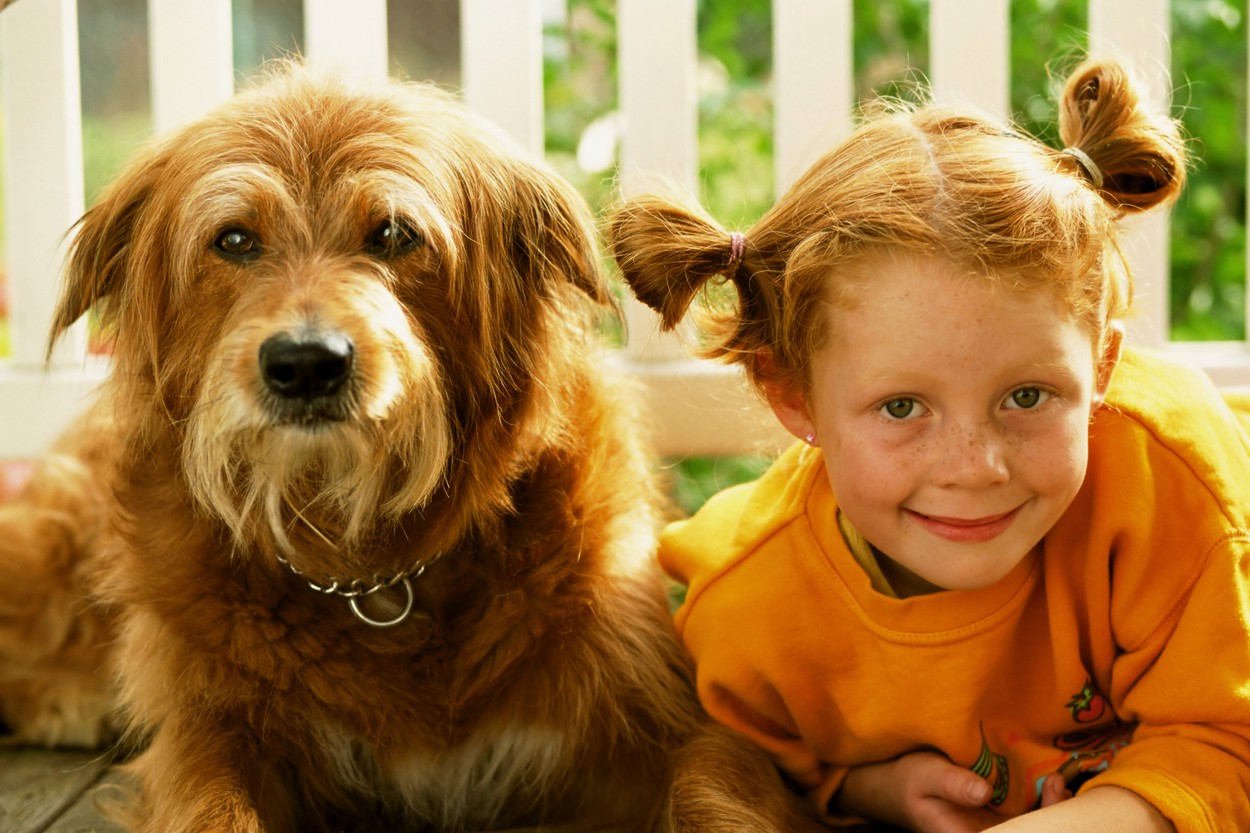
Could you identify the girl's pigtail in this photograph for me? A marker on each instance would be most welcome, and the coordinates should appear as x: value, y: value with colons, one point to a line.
x: 1131, y: 154
x: 667, y: 252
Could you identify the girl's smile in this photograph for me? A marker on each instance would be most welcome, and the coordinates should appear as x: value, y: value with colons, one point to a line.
x: 966, y: 530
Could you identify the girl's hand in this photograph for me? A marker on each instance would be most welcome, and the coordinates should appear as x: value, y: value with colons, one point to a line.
x: 923, y: 792
x: 1054, y: 790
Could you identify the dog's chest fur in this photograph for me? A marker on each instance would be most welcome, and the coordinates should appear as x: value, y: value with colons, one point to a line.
x: 479, y: 780
x: 456, y: 715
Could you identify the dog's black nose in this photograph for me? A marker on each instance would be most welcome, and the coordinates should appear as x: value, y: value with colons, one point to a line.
x: 306, y: 368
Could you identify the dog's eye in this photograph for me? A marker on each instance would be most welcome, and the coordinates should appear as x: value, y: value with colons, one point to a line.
x: 237, y: 244
x: 392, y: 238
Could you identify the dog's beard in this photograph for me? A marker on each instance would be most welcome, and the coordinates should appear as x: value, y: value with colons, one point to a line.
x: 338, y: 478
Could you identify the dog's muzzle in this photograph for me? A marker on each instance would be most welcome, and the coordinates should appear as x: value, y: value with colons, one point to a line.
x: 307, y: 376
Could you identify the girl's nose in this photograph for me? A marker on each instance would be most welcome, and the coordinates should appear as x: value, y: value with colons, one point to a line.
x: 971, y: 455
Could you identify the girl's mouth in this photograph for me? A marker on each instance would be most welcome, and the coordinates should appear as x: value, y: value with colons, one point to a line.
x: 966, y: 530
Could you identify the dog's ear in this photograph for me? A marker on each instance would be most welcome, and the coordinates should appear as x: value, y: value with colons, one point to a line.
x: 102, y: 237
x: 553, y: 234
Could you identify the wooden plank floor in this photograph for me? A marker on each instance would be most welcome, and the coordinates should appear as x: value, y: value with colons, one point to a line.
x: 43, y: 791
x: 53, y: 791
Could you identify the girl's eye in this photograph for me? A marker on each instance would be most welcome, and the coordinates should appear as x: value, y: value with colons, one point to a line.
x: 901, y: 408
x: 1026, y: 398
x: 237, y: 244
x: 392, y: 238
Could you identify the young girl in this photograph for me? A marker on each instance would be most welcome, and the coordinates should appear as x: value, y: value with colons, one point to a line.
x: 1001, y: 542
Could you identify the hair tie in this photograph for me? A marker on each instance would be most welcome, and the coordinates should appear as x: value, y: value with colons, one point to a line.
x: 737, y: 247
x: 1095, y: 175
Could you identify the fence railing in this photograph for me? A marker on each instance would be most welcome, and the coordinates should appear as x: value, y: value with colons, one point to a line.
x: 696, y: 408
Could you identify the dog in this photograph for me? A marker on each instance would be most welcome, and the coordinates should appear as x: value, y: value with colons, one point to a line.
x: 359, y: 535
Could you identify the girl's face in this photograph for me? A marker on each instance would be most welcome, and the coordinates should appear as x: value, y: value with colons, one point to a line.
x: 953, y: 418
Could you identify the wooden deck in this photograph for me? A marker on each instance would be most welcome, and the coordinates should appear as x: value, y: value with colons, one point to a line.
x: 43, y: 791
x: 54, y: 791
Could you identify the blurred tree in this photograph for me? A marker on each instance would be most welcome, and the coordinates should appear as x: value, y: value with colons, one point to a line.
x: 1208, y: 288
x: 891, y: 47
x: 580, y: 91
x: 735, y: 108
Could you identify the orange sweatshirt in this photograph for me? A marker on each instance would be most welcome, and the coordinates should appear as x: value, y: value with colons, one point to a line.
x: 1118, y: 652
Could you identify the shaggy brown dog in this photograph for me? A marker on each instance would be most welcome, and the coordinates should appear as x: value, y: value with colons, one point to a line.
x: 376, y: 533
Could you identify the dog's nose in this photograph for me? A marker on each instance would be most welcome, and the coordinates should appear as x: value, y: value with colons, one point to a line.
x: 305, y: 368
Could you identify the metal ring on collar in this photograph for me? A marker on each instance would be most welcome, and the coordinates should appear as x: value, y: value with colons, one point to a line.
x: 354, y: 601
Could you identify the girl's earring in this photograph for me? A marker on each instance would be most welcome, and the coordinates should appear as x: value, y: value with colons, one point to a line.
x: 810, y: 439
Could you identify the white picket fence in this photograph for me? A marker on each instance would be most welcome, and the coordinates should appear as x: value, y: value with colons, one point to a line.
x: 697, y: 408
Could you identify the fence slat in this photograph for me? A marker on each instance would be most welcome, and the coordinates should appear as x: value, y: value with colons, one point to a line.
x: 1137, y: 32
x: 656, y: 61
x: 191, y: 58
x: 43, y: 167
x: 812, y: 80
x: 43, y: 197
x: 349, y: 37
x: 501, y: 65
x: 970, y: 63
x: 36, y: 405
x: 703, y: 409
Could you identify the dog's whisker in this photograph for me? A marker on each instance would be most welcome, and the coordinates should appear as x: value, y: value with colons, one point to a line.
x: 311, y: 526
x: 198, y: 409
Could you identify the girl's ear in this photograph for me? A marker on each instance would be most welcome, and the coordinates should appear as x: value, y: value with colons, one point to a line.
x: 787, y: 401
x: 1107, y: 361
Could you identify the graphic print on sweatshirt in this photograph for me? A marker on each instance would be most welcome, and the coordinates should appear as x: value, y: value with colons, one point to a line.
x: 1087, y: 749
x: 993, y: 768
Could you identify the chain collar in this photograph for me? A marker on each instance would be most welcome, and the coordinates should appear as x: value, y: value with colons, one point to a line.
x: 357, y: 589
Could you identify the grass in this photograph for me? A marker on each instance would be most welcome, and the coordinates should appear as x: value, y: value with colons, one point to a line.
x: 692, y: 480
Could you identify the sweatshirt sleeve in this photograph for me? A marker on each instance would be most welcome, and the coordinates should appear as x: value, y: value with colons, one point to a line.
x: 729, y: 621
x: 1187, y: 686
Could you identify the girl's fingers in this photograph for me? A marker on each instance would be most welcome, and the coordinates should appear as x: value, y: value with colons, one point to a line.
x: 1054, y: 790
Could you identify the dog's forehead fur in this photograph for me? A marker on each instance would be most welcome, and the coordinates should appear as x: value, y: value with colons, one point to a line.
x: 316, y: 128
x: 311, y: 150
